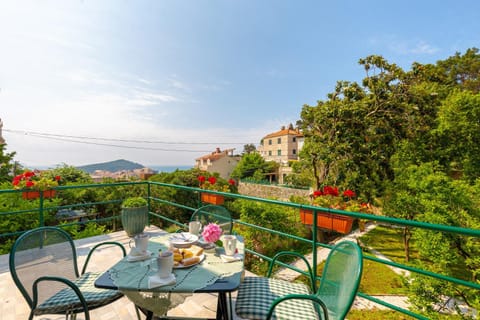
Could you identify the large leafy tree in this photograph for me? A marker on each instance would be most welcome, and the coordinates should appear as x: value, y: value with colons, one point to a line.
x: 253, y: 165
x: 6, y: 164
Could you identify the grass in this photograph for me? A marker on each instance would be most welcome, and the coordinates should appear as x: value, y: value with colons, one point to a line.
x: 389, y: 242
x: 376, y: 315
x: 379, y: 279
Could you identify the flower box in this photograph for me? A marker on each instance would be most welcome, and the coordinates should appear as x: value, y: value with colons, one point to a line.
x: 36, y: 194
x: 212, y: 198
x: 329, y: 221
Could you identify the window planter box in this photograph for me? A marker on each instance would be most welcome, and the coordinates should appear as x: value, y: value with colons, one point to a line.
x: 36, y: 194
x: 328, y: 221
x: 212, y: 198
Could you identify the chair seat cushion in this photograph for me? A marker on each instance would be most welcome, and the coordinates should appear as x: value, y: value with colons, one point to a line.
x: 256, y: 294
x: 66, y: 299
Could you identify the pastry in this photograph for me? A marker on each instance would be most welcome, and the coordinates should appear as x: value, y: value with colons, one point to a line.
x: 186, y: 253
x: 196, y: 250
x: 190, y: 261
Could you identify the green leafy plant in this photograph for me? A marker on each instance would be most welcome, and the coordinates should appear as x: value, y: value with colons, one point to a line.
x: 134, y: 202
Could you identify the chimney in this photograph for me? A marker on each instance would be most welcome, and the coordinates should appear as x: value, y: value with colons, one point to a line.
x: 282, y: 128
x: 217, y: 150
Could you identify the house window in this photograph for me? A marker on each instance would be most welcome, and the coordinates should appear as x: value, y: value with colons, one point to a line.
x: 279, y: 152
x: 270, y: 152
x: 279, y: 140
x: 270, y: 141
x: 294, y: 139
x: 294, y: 151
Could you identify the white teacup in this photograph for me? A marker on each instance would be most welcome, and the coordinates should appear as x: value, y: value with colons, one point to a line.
x: 165, y: 264
x: 141, y: 242
x: 194, y: 227
x: 229, y: 244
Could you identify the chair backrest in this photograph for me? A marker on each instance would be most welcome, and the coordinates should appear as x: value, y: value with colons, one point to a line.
x: 214, y: 214
x: 341, y: 278
x: 45, y: 251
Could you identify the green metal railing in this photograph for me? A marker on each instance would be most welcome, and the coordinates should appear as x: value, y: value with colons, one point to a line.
x: 150, y: 190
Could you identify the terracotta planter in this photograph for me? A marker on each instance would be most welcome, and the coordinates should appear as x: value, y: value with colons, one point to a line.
x: 212, y: 198
x: 329, y: 221
x: 36, y: 194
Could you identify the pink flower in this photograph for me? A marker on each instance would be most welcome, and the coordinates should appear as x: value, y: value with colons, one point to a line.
x: 211, y: 232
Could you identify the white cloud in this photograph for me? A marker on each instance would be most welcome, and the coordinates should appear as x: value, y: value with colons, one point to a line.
x: 403, y: 46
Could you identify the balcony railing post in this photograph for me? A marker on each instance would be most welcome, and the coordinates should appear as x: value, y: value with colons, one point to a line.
x: 314, y: 251
x: 149, y: 195
x: 41, y: 218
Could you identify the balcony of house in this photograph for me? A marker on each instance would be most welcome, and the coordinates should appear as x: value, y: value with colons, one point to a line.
x: 387, y: 287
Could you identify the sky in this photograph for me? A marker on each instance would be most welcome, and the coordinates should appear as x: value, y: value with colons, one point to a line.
x: 164, y: 82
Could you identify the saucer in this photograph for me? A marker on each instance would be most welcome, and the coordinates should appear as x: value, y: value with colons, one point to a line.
x: 138, y: 256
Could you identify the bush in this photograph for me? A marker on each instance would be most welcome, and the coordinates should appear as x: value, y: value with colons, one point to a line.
x: 134, y: 202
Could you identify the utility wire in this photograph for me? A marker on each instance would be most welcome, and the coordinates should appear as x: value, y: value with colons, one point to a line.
x: 68, y: 139
x: 117, y: 140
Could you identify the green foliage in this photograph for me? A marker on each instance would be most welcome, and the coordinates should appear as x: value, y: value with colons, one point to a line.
x: 90, y: 230
x: 6, y: 164
x: 459, y: 131
x: 253, y: 165
x: 134, y: 202
x: 268, y: 216
x: 69, y: 174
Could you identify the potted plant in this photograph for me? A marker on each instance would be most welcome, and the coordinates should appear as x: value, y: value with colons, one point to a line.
x: 134, y: 215
x: 33, y: 183
x: 329, y: 197
x: 211, y: 184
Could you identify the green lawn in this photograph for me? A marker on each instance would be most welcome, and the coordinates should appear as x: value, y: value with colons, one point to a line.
x: 389, y: 242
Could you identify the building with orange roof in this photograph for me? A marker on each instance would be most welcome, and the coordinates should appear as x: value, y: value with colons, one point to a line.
x: 281, y: 146
x: 219, y: 161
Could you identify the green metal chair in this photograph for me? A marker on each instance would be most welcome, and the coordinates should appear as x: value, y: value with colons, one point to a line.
x: 266, y: 298
x: 214, y: 214
x: 43, y: 264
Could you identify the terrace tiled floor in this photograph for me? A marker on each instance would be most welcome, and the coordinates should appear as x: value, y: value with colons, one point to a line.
x: 13, y: 306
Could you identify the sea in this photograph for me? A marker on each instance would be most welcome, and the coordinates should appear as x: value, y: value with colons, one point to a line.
x: 169, y: 168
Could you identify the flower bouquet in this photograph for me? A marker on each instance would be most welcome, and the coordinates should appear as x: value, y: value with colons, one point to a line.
x: 211, y: 235
x: 32, y: 184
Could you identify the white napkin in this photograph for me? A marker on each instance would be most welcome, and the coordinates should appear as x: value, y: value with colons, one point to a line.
x: 136, y: 255
x: 155, y: 281
x: 235, y: 257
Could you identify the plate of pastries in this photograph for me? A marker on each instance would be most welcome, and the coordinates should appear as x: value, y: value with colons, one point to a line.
x: 187, y: 257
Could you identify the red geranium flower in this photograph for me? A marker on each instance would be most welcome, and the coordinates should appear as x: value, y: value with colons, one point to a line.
x: 317, y: 193
x: 57, y: 178
x: 201, y: 179
x: 349, y: 193
x: 231, y: 182
x: 29, y: 183
x: 212, y: 180
x: 328, y: 190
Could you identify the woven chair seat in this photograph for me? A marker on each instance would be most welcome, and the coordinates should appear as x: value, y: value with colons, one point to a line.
x: 255, y: 296
x: 66, y: 299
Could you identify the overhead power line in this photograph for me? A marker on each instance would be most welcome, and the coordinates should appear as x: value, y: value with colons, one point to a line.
x: 74, y: 139
x: 118, y: 140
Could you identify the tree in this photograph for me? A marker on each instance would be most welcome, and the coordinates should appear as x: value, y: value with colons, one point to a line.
x: 459, y: 132
x: 253, y: 164
x: 6, y: 164
x: 249, y: 148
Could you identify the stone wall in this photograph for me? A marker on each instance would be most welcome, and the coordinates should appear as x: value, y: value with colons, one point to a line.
x: 269, y: 191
